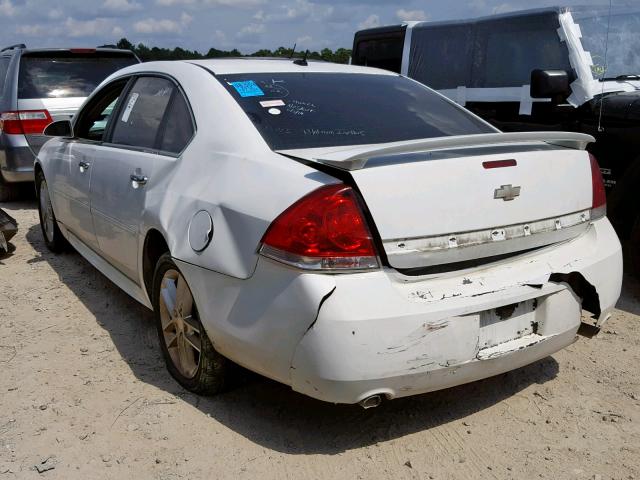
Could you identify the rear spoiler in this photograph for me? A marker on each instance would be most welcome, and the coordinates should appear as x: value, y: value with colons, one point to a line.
x: 356, y: 158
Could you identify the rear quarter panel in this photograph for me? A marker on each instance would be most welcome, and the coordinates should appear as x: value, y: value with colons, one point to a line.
x: 228, y: 171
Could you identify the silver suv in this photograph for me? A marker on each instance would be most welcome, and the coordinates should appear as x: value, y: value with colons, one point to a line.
x: 37, y: 87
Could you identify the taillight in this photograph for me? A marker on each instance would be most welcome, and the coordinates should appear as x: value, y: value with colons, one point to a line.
x: 599, y: 204
x: 325, y: 230
x: 25, y: 121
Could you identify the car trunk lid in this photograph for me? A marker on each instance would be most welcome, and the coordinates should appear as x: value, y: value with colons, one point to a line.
x: 454, y: 205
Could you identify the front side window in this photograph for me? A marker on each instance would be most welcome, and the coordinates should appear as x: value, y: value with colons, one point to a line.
x: 140, y: 115
x: 509, y: 49
x: 307, y: 110
x: 65, y: 74
x: 92, y: 121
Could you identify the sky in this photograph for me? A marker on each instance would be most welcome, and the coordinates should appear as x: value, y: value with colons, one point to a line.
x: 247, y: 25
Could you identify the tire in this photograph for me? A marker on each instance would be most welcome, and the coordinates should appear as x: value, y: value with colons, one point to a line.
x: 634, y: 248
x: 8, y: 191
x: 180, y: 333
x: 51, y: 233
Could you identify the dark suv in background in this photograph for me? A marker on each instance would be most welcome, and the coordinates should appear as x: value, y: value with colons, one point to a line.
x: 570, y: 69
x: 37, y: 87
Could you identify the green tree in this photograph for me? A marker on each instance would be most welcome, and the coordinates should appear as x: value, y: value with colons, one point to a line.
x: 148, y: 54
x: 125, y: 44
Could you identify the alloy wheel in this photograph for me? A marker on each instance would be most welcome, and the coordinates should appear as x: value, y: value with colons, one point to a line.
x: 180, y: 326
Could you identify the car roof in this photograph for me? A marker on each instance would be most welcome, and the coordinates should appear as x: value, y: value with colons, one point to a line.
x: 227, y: 66
x: 252, y: 65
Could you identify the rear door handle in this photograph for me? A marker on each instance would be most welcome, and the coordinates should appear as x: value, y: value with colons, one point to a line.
x: 84, y: 166
x: 137, y: 180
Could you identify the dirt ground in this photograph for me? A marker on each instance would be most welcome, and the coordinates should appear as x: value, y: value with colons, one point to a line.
x: 84, y: 395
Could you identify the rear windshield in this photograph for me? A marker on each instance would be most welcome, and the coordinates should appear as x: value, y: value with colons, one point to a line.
x: 308, y: 110
x: 66, y: 75
x: 4, y: 67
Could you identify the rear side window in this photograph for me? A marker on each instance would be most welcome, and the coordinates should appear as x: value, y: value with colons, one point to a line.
x: 4, y: 67
x: 178, y: 128
x: 441, y: 56
x: 139, y: 118
x: 92, y: 120
x: 538, y: 49
x: 60, y: 75
x: 381, y: 51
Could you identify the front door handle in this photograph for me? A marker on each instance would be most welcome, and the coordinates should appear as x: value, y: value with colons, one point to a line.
x: 138, y: 180
x: 84, y: 166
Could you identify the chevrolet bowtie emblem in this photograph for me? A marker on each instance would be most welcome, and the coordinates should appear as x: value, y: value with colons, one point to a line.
x: 506, y: 192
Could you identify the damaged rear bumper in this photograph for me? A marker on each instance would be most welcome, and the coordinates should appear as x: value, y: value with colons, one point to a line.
x: 343, y: 338
x: 383, y: 333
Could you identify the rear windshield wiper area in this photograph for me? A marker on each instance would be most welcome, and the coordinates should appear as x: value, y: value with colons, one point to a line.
x: 621, y: 78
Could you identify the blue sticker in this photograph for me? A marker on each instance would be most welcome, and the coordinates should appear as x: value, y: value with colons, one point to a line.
x: 248, y: 88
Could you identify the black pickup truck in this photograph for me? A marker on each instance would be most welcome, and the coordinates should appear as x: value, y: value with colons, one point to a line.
x: 572, y: 69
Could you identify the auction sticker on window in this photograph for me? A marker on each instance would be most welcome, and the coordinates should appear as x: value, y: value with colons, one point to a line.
x: 248, y: 88
x: 129, y: 107
x: 272, y: 103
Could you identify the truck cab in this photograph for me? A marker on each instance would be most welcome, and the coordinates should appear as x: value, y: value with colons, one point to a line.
x: 570, y: 69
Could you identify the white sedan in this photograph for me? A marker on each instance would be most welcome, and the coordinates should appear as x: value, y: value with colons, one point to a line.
x: 343, y: 230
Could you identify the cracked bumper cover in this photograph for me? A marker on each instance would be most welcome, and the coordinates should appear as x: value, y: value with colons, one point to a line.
x: 397, y: 336
x: 342, y: 338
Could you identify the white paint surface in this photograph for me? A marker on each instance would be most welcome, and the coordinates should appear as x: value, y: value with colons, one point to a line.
x: 343, y: 337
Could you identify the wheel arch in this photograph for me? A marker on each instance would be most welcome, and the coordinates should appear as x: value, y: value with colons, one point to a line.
x: 155, y: 245
x: 37, y: 168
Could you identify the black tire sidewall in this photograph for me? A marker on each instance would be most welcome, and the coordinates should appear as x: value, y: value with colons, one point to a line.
x: 58, y: 243
x: 210, y: 360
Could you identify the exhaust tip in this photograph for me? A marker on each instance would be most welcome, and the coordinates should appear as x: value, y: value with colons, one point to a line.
x: 371, y: 402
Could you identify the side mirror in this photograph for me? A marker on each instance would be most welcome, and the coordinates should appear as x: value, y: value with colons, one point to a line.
x: 550, y: 84
x: 61, y: 128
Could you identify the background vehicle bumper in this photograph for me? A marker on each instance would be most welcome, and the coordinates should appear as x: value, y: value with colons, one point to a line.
x: 16, y: 159
x: 342, y: 338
